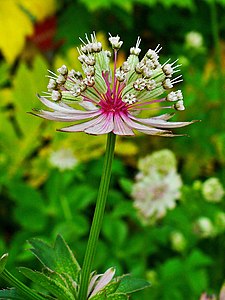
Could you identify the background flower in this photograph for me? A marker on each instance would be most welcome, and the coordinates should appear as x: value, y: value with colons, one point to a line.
x: 213, y: 190
x: 157, y: 188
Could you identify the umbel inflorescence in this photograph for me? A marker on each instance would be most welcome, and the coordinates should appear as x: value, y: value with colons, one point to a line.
x: 109, y: 100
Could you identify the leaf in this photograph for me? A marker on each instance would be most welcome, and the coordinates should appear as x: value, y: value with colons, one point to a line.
x: 30, y: 207
x: 58, y: 258
x: 39, y: 9
x: 114, y: 229
x: 66, y: 262
x: 3, y: 261
x: 51, y: 285
x: 14, y: 23
x: 126, y: 185
x: 44, y: 253
x: 11, y: 294
x: 129, y: 284
x: 118, y: 296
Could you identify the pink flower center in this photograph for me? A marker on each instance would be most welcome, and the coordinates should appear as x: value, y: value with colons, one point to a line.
x: 111, y: 101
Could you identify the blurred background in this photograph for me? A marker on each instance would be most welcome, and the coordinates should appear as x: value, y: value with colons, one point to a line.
x: 49, y: 180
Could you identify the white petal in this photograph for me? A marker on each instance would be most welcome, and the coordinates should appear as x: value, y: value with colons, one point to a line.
x: 83, y: 126
x: 105, y: 126
x: 105, y: 279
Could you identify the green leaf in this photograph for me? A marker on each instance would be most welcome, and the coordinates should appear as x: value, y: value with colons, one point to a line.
x: 111, y: 287
x: 118, y: 296
x: 11, y: 294
x: 58, y: 258
x: 43, y: 252
x: 108, y: 290
x: 30, y: 207
x: 126, y: 185
x: 66, y: 262
x: 3, y: 261
x: 51, y: 285
x: 129, y: 284
x: 114, y: 229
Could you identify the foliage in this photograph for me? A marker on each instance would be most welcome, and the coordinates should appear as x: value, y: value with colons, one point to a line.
x: 60, y: 277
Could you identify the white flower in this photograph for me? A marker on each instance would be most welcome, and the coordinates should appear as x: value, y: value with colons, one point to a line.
x: 213, y: 190
x: 63, y: 159
x: 163, y: 161
x: 153, y: 194
x: 99, y: 282
x: 204, y: 227
x: 194, y: 39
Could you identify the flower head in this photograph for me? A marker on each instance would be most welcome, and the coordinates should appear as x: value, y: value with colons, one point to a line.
x: 109, y: 100
x: 213, y: 190
x: 63, y: 159
x: 194, y: 39
x: 154, y: 194
x: 157, y: 187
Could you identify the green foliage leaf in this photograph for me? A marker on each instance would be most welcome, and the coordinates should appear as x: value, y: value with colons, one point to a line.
x: 3, y: 261
x: 30, y: 212
x: 129, y: 284
x: 126, y: 184
x: 118, y: 296
x: 51, y: 285
x: 58, y: 258
x: 114, y: 229
x: 11, y: 294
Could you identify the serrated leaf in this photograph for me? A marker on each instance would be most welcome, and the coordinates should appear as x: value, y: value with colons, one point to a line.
x: 58, y: 258
x: 44, y: 253
x: 51, y: 285
x: 66, y: 262
x: 129, y: 284
x: 63, y: 279
x: 11, y: 294
x: 3, y: 261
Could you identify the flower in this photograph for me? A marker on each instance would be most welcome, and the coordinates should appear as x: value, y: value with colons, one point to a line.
x: 157, y: 185
x: 162, y: 161
x: 153, y: 194
x: 99, y: 282
x: 108, y: 100
x: 204, y: 227
x: 63, y: 159
x: 194, y: 40
x: 212, y: 190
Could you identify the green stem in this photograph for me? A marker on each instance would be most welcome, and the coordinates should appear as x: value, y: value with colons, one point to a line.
x: 26, y: 291
x: 216, y: 37
x: 98, y: 216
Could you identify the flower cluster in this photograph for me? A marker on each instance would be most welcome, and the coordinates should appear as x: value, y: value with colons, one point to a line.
x: 157, y: 187
x: 213, y: 190
x: 109, y: 100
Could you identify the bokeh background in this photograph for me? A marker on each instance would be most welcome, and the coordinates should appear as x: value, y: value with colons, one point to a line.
x: 49, y: 180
